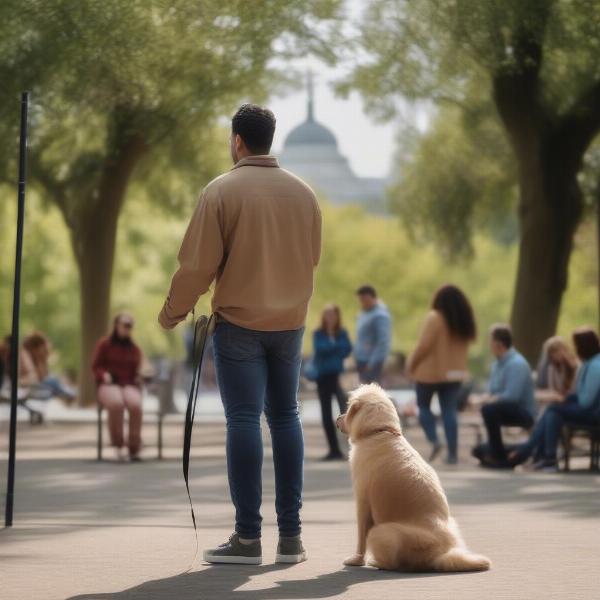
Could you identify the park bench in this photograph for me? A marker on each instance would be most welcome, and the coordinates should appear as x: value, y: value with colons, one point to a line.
x: 591, y: 432
x: 162, y: 385
x: 24, y: 397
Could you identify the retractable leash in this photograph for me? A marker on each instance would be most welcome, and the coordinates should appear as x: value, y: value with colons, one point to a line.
x: 202, y: 329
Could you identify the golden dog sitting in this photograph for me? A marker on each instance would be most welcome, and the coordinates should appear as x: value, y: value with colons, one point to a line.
x: 402, y: 512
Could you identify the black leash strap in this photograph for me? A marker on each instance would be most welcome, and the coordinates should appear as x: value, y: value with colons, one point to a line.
x: 202, y: 329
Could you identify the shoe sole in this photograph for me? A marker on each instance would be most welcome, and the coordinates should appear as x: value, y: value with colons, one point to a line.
x: 232, y: 560
x: 291, y: 558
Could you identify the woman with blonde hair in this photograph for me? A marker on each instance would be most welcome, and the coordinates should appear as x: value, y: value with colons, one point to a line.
x: 580, y: 408
x: 331, y: 346
x: 562, y: 369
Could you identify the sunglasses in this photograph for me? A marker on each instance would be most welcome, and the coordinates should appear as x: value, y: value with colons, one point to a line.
x: 127, y: 325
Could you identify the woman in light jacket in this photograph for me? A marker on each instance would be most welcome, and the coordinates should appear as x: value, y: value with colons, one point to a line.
x: 438, y: 365
x: 331, y: 346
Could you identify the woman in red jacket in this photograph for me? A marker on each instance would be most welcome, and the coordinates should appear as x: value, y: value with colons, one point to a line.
x: 116, y: 366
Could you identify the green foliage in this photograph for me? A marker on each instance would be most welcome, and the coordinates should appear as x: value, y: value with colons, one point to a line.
x: 457, y: 178
x: 104, y: 72
x: 434, y: 50
x: 460, y: 175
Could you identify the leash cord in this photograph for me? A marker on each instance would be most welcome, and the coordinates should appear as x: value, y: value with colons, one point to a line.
x: 202, y: 328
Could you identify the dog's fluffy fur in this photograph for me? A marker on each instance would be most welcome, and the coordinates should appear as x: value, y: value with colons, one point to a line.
x: 402, y: 513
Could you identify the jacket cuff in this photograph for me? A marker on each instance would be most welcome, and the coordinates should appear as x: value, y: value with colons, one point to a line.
x: 166, y: 321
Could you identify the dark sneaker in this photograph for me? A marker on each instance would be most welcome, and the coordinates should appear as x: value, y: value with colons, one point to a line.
x: 234, y: 552
x: 546, y: 466
x: 290, y: 550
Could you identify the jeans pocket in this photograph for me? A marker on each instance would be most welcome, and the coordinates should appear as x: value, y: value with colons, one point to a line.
x: 288, y: 346
x: 236, y: 343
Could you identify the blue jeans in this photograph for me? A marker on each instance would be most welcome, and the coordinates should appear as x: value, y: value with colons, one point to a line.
x: 369, y: 374
x: 557, y: 415
x: 448, y: 397
x: 256, y: 371
x: 545, y: 436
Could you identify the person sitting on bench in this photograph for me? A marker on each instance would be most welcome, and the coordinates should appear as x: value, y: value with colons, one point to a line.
x: 116, y: 365
x: 27, y: 374
x: 580, y: 408
x: 510, y: 399
x: 39, y: 348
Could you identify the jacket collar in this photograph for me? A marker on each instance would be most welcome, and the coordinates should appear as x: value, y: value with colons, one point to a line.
x: 259, y: 160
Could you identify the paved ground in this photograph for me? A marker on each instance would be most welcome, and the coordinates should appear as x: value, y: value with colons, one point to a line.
x: 85, y: 530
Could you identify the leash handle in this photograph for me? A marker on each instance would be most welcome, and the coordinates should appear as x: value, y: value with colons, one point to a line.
x: 202, y: 328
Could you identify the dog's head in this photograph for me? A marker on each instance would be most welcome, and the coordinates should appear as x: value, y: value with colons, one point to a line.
x: 370, y: 411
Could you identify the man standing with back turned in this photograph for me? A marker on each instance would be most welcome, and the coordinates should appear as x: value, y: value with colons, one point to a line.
x: 257, y: 232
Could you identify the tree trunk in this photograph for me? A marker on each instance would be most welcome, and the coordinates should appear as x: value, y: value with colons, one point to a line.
x: 94, y: 240
x: 598, y: 247
x: 95, y: 273
x: 550, y: 211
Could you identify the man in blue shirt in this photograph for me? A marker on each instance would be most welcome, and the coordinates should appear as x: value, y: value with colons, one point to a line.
x: 373, y: 335
x: 510, y: 399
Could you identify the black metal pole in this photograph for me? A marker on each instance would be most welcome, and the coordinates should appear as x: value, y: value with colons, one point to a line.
x: 14, y: 343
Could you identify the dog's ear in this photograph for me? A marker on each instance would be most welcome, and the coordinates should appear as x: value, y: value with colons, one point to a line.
x: 352, y: 410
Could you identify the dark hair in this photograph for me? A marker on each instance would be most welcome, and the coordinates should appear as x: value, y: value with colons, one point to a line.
x: 502, y: 333
x: 456, y: 309
x: 338, y: 314
x: 256, y: 126
x: 366, y: 290
x: 35, y: 341
x: 586, y: 343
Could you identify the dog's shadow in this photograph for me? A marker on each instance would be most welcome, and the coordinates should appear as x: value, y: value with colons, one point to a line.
x: 222, y: 582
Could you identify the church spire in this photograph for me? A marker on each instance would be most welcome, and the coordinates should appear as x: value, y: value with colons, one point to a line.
x: 311, y: 97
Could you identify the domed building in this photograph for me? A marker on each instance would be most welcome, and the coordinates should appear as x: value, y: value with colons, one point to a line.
x: 311, y: 151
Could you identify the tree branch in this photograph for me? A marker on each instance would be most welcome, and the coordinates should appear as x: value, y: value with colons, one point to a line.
x: 516, y: 87
x: 578, y: 127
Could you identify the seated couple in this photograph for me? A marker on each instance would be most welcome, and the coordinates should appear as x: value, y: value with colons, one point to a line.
x: 576, y: 393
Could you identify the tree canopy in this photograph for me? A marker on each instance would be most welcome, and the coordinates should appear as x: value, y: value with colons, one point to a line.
x: 133, y: 91
x: 536, y: 63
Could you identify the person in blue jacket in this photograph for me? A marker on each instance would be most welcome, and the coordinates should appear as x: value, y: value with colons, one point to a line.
x: 373, y: 335
x: 331, y: 346
x: 580, y: 408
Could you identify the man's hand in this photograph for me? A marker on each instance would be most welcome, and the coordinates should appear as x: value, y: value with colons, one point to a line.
x: 165, y: 321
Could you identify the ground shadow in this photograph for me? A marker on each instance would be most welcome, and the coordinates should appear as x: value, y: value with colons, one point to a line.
x: 223, y: 582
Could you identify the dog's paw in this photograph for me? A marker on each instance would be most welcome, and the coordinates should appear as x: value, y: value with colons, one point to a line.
x: 356, y: 560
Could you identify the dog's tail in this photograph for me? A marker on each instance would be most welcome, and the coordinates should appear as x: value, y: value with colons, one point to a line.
x: 398, y: 546
x: 460, y: 559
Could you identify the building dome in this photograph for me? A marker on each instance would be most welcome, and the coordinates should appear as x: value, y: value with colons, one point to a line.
x: 310, y: 151
x: 308, y: 133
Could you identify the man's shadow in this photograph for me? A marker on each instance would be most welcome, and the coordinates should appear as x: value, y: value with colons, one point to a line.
x: 222, y: 582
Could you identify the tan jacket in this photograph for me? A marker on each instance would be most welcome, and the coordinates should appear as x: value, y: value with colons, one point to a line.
x: 439, y: 356
x: 257, y: 232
